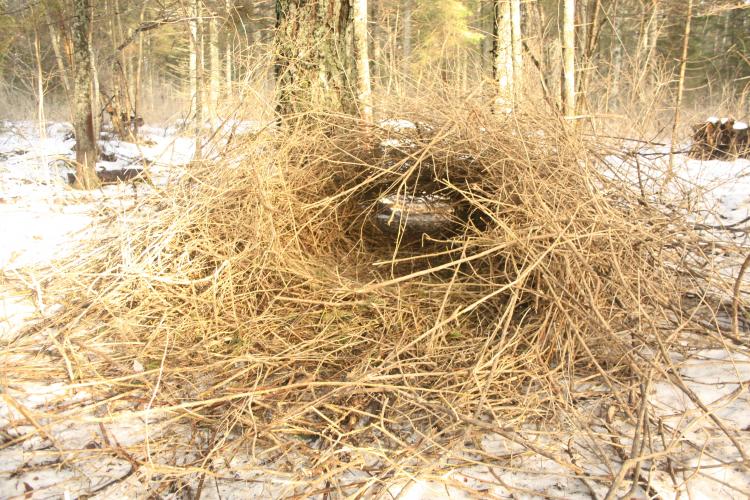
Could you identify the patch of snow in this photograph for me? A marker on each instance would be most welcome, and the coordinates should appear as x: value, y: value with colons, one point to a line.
x: 719, y: 188
x: 59, y: 129
x: 397, y: 125
x: 396, y: 143
x: 137, y: 366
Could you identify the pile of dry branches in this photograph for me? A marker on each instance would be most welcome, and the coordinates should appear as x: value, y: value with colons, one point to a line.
x: 262, y: 299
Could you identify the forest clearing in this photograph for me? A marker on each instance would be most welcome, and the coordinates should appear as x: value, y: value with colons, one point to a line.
x: 375, y: 249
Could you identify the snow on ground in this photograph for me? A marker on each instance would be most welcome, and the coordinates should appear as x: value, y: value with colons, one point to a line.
x: 42, y: 218
x: 720, y: 188
x: 49, y: 448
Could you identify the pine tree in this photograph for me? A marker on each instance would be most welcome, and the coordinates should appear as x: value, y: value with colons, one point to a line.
x: 327, y: 74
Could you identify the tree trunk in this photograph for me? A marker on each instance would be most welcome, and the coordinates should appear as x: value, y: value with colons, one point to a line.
x: 376, y: 41
x: 203, y: 61
x: 196, y: 61
x: 193, y: 58
x: 487, y: 21
x: 568, y: 83
x: 406, y: 35
x: 326, y: 75
x: 40, y: 102
x: 392, y: 45
x: 615, y: 68
x: 503, y: 66
x: 653, y: 28
x: 215, y: 67
x: 125, y: 66
x: 680, y: 90
x: 361, y: 53
x: 138, y: 74
x: 96, y: 108
x: 39, y: 84
x: 256, y: 34
x: 228, y: 50
x: 517, y: 43
x: 83, y: 119
x: 116, y: 107
x: 54, y: 37
x: 592, y: 41
x: 653, y: 38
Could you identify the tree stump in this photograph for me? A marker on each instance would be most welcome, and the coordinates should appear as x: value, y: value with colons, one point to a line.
x: 720, y: 139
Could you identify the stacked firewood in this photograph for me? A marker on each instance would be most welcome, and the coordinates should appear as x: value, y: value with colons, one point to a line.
x: 720, y: 139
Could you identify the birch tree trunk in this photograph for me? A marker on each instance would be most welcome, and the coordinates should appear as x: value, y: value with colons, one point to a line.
x: 592, y: 41
x: 376, y: 39
x: 203, y: 91
x: 83, y: 120
x: 228, y: 50
x: 361, y: 54
x: 42, y: 123
x: 138, y: 103
x: 55, y: 38
x: 196, y: 59
x: 406, y: 35
x: 215, y: 67
x: 326, y: 74
x: 39, y: 83
x: 117, y: 107
x: 193, y: 57
x: 503, y: 66
x: 615, y: 69
x: 487, y: 21
x: 517, y: 44
x: 653, y: 28
x: 255, y: 29
x: 680, y: 90
x: 125, y: 66
x: 568, y: 80
x: 96, y: 110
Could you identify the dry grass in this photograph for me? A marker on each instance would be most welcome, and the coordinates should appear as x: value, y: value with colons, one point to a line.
x: 265, y: 306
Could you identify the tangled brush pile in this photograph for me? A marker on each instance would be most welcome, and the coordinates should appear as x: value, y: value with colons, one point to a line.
x: 268, y: 296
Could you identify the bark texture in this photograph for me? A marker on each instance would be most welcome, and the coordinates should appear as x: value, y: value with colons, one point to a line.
x: 406, y: 35
x: 377, y: 37
x: 503, y: 66
x: 228, y: 53
x: 568, y: 80
x: 83, y: 120
x: 517, y: 42
x: 215, y: 67
x: 196, y: 73
x: 55, y: 39
x: 364, y: 89
x: 680, y: 90
x: 315, y: 64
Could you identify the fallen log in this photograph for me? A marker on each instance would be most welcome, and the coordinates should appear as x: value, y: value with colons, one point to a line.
x: 113, y: 176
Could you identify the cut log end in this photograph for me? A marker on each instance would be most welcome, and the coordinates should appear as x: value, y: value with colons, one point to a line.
x: 720, y: 139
